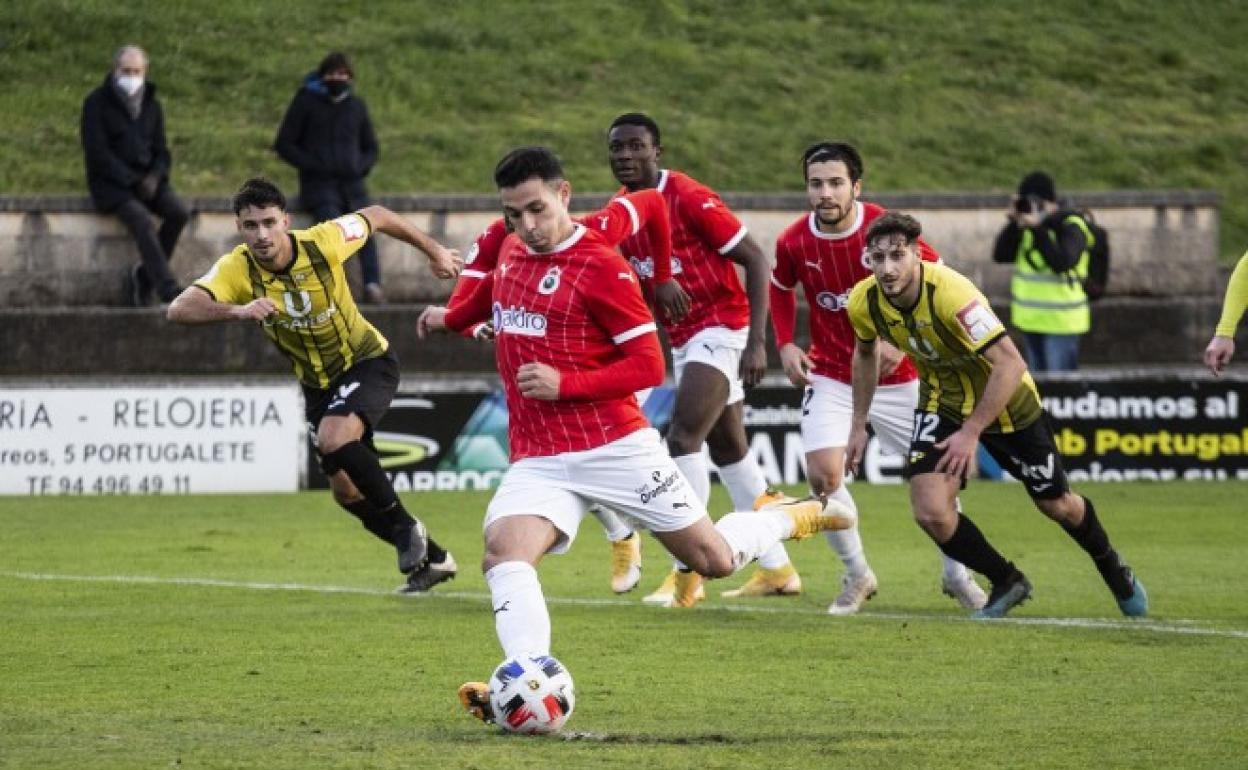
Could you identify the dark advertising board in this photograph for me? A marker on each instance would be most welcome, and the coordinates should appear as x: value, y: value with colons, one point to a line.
x: 1109, y: 426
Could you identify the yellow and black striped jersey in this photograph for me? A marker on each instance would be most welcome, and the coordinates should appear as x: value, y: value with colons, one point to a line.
x: 944, y: 334
x: 317, y: 325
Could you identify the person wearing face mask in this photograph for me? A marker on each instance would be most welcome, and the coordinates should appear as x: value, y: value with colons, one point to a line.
x: 128, y: 163
x: 328, y: 136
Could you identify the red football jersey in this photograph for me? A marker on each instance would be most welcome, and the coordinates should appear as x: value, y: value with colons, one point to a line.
x: 828, y: 265
x: 572, y: 309
x: 703, y: 231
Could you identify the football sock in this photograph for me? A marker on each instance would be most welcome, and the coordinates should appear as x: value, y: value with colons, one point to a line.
x: 847, y: 542
x: 693, y: 467
x: 745, y: 482
x: 1091, y: 537
x: 372, y: 519
x: 969, y: 546
x: 520, y: 616
x: 953, y: 570
x: 614, y: 526
x: 364, y: 470
x: 750, y: 534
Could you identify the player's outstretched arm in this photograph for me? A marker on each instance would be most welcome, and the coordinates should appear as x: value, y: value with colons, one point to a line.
x: 865, y: 376
x: 196, y: 306
x: 1222, y: 346
x: 446, y: 262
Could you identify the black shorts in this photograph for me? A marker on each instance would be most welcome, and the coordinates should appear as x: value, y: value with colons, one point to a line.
x: 364, y: 390
x: 1029, y: 455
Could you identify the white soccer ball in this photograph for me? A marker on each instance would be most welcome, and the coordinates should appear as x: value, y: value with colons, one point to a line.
x: 531, y: 694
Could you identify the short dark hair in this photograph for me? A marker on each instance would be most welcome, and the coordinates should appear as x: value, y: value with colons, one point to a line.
x: 1038, y: 184
x: 524, y: 163
x: 894, y: 222
x: 638, y: 119
x: 336, y: 60
x: 826, y: 152
x: 258, y: 192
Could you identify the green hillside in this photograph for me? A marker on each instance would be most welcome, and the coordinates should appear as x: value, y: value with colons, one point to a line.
x: 940, y: 96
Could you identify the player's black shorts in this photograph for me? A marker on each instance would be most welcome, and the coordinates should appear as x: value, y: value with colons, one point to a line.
x: 365, y: 390
x: 1029, y: 455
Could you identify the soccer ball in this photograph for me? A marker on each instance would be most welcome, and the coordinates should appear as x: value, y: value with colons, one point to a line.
x: 531, y: 694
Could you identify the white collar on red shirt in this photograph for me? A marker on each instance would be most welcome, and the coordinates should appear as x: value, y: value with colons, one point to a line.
x: 578, y: 231
x: 814, y: 226
x: 662, y: 180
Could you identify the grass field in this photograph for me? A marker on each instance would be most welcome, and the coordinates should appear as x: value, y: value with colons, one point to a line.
x: 259, y: 632
x: 939, y: 95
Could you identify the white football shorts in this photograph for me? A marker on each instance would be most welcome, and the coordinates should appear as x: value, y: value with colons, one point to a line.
x: 634, y: 476
x: 828, y: 409
x: 717, y: 346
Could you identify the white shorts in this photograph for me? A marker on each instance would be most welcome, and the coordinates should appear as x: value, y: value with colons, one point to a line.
x: 828, y: 409
x: 633, y: 475
x: 719, y: 347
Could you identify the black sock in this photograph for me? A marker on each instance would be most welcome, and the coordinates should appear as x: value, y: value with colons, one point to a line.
x: 436, y: 552
x: 1091, y: 537
x: 969, y: 546
x: 364, y: 470
x: 372, y: 520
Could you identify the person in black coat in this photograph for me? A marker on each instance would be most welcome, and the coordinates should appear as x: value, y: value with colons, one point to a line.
x: 328, y: 136
x: 128, y: 162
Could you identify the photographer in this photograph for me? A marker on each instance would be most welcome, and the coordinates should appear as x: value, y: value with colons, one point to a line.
x: 1049, y: 247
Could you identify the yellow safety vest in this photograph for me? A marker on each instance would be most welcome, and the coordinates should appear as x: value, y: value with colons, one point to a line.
x: 1045, y: 302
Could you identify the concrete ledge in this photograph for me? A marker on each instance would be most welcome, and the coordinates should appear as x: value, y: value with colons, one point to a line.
x: 108, y: 342
x: 55, y: 250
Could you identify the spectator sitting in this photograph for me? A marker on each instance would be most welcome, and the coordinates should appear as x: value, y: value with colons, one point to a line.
x: 128, y: 162
x: 328, y: 136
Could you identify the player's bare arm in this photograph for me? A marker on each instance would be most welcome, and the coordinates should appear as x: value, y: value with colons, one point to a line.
x: 1008, y: 369
x: 890, y: 358
x: 446, y: 263
x: 196, y: 306
x: 749, y: 255
x: 866, y: 374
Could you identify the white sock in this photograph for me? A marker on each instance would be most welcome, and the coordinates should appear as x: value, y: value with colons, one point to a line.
x: 750, y: 534
x: 745, y: 482
x: 693, y: 467
x: 847, y: 542
x: 520, y: 616
x: 612, y: 524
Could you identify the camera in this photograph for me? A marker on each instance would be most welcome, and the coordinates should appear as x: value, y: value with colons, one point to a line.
x: 1027, y: 205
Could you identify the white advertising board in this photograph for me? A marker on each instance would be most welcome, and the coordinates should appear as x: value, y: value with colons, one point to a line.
x: 151, y: 440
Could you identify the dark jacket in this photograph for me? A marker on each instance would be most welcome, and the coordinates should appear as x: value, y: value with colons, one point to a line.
x: 120, y: 150
x: 331, y: 143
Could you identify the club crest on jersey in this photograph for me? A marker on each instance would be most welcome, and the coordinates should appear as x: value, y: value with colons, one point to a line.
x: 866, y: 260
x: 549, y: 282
x: 644, y: 267
x: 833, y: 302
x: 301, y: 309
x: 517, y: 320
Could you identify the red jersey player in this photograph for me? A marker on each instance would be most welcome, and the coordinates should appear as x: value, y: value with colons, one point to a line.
x: 719, y: 345
x: 824, y: 252
x: 574, y: 340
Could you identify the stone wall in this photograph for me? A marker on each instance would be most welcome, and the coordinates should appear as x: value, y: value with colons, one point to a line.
x: 57, y: 251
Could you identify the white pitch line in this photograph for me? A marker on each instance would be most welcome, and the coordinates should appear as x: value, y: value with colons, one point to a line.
x: 1178, y: 626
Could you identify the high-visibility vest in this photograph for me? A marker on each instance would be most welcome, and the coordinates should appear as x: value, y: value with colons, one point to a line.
x: 1046, y: 302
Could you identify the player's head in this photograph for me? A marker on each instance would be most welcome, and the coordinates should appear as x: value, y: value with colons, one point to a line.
x: 893, y: 255
x: 633, y: 150
x: 534, y: 196
x: 833, y: 173
x: 260, y: 214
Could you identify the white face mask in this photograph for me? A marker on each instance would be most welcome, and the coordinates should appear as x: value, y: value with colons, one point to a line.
x: 130, y: 83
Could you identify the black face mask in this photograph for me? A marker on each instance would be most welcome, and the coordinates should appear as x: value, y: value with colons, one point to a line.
x: 337, y: 88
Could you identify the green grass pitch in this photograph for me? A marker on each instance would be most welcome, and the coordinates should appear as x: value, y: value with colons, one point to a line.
x: 260, y: 632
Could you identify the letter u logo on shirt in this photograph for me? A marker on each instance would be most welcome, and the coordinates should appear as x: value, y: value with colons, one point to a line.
x: 301, y: 309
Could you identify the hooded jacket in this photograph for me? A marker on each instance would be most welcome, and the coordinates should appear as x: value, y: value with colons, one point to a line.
x: 120, y: 150
x: 330, y: 142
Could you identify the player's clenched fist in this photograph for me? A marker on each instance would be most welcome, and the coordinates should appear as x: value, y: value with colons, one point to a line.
x: 538, y: 381
x: 446, y: 263
x: 256, y: 310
